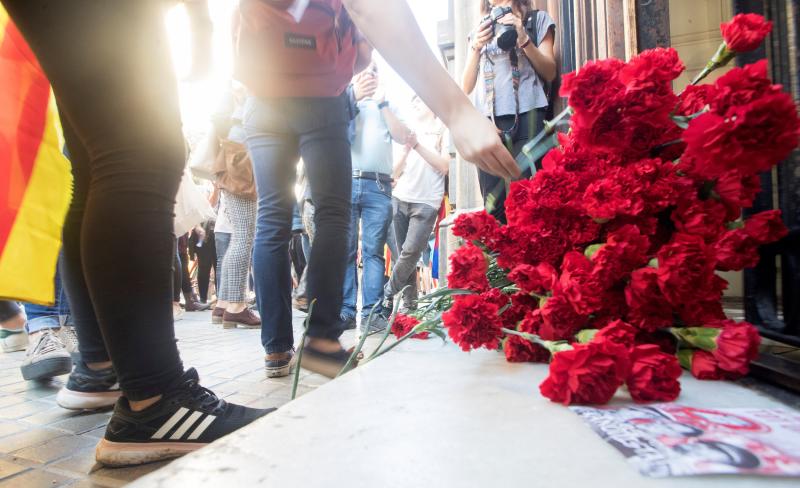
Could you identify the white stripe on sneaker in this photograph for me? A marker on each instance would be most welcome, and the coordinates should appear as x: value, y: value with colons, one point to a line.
x: 190, y: 420
x: 202, y: 427
x: 176, y: 417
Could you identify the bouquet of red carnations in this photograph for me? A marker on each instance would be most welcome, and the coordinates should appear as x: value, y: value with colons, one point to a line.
x: 607, y: 267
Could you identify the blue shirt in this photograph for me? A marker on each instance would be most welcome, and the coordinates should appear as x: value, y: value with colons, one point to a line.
x: 372, y: 144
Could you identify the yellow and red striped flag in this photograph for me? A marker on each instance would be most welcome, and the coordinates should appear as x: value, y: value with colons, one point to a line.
x: 35, y: 178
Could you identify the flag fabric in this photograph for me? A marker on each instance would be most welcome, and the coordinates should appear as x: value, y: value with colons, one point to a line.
x: 35, y: 177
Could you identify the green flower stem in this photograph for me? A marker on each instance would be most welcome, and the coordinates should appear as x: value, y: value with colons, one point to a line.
x: 552, y: 346
x: 421, y: 327
x: 300, y: 348
x: 722, y: 57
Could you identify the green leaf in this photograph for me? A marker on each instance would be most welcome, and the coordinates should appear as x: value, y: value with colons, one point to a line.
x: 439, y: 332
x: 653, y: 263
x: 592, y: 250
x: 704, y: 338
x: 586, y: 335
x: 685, y: 358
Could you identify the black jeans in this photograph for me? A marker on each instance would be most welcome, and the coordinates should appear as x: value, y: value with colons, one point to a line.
x: 206, y: 261
x: 181, y: 280
x: 109, y: 64
x: 530, y: 124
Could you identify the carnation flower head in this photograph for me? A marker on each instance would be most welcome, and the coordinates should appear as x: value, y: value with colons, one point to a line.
x: 472, y: 322
x: 745, y: 32
x: 468, y: 267
x: 588, y: 374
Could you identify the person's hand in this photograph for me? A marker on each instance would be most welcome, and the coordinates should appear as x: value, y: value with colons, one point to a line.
x: 411, y: 140
x: 364, y: 86
x: 483, y: 36
x: 512, y: 19
x: 476, y: 140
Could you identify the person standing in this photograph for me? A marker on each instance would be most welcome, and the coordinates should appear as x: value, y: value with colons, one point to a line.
x: 238, y: 204
x: 202, y: 245
x: 510, y: 84
x: 416, y: 201
x: 375, y: 126
x: 110, y: 69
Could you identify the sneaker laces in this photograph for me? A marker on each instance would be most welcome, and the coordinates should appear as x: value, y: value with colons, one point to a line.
x: 48, y: 342
x: 205, y: 398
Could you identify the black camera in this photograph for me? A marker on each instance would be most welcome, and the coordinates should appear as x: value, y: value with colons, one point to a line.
x: 506, y: 35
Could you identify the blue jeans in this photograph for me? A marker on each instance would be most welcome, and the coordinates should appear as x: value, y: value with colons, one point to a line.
x: 372, y: 207
x: 42, y: 317
x: 279, y: 132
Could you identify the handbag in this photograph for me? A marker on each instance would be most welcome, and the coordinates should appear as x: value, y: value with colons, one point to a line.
x: 234, y: 170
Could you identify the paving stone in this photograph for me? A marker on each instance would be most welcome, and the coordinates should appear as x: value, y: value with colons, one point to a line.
x: 110, y: 475
x: 50, y: 415
x: 6, y: 401
x: 28, y: 438
x: 24, y: 409
x: 80, y: 463
x: 10, y: 469
x: 35, y: 478
x: 57, y: 448
x: 8, y: 428
x: 84, y: 422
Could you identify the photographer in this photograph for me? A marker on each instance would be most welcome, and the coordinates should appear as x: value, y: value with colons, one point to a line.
x: 511, y: 42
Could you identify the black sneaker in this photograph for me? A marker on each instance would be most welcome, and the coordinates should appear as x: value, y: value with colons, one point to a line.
x: 280, y: 364
x: 88, y: 389
x: 347, y: 323
x: 377, y: 325
x: 186, y: 418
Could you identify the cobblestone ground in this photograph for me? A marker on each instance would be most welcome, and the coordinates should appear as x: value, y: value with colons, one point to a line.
x: 43, y: 445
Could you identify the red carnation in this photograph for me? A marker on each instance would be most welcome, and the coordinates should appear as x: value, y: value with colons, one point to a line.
x: 664, y: 340
x: 736, y: 190
x: 537, y: 279
x: 520, y: 350
x: 403, y: 324
x: 703, y: 311
x: 468, y: 267
x: 750, y: 138
x: 619, y: 332
x: 737, y: 345
x: 593, y: 85
x: 625, y: 250
x: 766, y: 227
x: 472, y: 322
x: 618, y: 193
x: 745, y: 32
x: 704, y: 218
x: 561, y: 321
x: 654, y: 375
x: 704, y: 366
x: 741, y: 86
x: 736, y: 250
x: 693, y: 99
x: 647, y: 308
x: 583, y: 288
x: 685, y: 265
x: 588, y: 374
x: 653, y: 66
x: 476, y: 226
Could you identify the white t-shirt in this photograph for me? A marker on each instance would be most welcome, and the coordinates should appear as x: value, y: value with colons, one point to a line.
x: 420, y: 182
x: 223, y: 224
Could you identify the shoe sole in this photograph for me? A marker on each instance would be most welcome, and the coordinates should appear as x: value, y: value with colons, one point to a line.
x: 233, y: 325
x: 324, y: 367
x: 216, y: 320
x: 46, y: 368
x: 78, y: 400
x: 118, y: 454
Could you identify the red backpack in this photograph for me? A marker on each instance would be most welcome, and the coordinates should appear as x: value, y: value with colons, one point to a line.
x: 278, y: 57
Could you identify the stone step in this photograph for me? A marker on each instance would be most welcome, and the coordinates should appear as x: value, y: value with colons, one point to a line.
x: 428, y: 415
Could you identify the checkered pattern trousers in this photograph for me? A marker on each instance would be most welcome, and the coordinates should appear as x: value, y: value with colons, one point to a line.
x: 236, y: 263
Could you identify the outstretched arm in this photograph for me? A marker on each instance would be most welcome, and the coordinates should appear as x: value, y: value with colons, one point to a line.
x: 391, y: 28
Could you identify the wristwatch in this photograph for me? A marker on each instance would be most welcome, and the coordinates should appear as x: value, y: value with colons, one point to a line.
x: 525, y: 44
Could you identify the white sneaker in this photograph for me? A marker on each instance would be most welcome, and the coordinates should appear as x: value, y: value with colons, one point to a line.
x: 70, y: 339
x: 12, y: 340
x: 45, y: 357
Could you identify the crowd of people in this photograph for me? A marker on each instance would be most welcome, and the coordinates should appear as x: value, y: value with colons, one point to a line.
x: 316, y: 117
